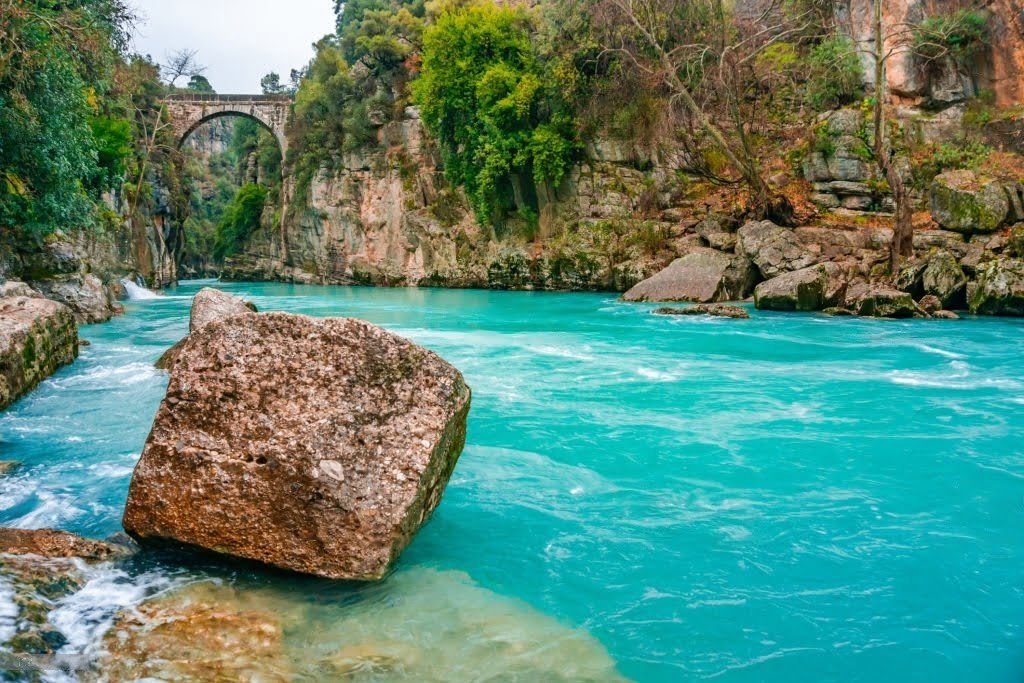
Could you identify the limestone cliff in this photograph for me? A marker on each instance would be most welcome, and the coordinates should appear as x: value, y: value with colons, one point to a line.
x: 999, y: 68
x: 389, y: 217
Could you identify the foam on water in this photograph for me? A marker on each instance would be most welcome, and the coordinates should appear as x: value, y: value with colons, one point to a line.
x: 136, y: 292
x: 786, y: 498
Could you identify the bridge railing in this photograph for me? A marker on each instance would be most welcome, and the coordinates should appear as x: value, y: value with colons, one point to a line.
x: 213, y: 97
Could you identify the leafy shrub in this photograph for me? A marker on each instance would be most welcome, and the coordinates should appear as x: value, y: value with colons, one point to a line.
x: 499, y: 120
x: 959, y: 35
x: 835, y: 75
x: 950, y: 156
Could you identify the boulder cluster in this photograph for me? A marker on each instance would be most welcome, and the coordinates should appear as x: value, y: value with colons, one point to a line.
x: 842, y: 269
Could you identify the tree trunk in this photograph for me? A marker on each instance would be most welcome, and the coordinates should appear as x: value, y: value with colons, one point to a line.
x: 903, y: 226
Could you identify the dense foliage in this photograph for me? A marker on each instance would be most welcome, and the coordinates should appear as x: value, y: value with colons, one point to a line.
x: 63, y: 139
x: 499, y: 118
x: 241, y: 218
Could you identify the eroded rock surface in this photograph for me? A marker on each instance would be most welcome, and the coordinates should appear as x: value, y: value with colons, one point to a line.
x: 316, y: 445
x: 808, y: 289
x: 773, y: 249
x: 705, y: 275
x: 999, y: 289
x: 37, y: 336
x: 208, y: 305
x: 879, y: 301
x: 963, y: 202
x: 715, y: 310
x: 211, y: 304
x: 86, y: 295
x: 52, y: 543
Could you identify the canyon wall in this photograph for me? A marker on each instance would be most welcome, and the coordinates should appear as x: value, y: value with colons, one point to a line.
x: 388, y: 217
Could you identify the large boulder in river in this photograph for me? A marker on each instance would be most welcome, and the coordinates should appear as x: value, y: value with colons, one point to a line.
x: 37, y: 336
x: 808, y: 289
x: 211, y: 304
x: 999, y: 289
x: 702, y: 276
x: 963, y: 202
x: 774, y: 250
x: 316, y: 445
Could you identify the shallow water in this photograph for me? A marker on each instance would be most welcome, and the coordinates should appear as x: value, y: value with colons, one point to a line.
x: 789, y: 498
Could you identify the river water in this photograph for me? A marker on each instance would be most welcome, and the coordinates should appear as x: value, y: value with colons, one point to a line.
x: 787, y: 498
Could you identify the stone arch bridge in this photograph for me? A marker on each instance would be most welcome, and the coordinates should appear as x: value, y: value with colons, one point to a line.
x: 188, y: 111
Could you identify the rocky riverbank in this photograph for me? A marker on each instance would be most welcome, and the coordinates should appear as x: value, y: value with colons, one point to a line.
x: 37, y: 336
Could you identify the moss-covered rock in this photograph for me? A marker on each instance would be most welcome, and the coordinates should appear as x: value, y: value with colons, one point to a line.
x: 37, y: 336
x: 944, y: 278
x: 808, y: 289
x: 999, y: 289
x: 963, y: 202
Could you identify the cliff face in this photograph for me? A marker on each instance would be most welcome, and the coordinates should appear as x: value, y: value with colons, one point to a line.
x: 999, y: 68
x: 389, y: 217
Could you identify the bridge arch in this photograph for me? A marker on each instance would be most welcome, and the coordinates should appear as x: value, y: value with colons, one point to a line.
x: 188, y: 111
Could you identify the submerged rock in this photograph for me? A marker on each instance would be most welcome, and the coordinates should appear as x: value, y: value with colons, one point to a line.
x: 704, y: 275
x: 38, y: 568
x: 808, y: 289
x: 718, y: 310
x: 37, y: 336
x: 999, y: 289
x: 773, y: 249
x: 963, y: 202
x: 52, y: 543
x: 421, y: 625
x: 316, y: 445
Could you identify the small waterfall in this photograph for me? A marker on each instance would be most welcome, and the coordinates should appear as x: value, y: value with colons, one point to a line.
x: 136, y: 292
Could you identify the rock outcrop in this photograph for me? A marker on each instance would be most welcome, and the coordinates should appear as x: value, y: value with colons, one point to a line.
x: 315, y: 445
x: 809, y: 289
x: 210, y: 305
x: 704, y: 275
x: 963, y: 202
x: 37, y: 336
x: 773, y: 249
x: 879, y: 301
x: 999, y: 289
x: 944, y: 278
x: 86, y: 295
x: 51, y: 543
x: 38, y: 568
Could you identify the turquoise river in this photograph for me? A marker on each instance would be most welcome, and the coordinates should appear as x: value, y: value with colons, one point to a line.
x: 786, y: 498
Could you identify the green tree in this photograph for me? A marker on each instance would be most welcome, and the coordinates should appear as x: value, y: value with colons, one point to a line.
x: 503, y: 125
x: 56, y: 63
x: 240, y: 220
x: 199, y: 83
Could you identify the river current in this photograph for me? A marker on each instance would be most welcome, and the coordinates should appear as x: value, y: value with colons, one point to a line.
x: 786, y: 498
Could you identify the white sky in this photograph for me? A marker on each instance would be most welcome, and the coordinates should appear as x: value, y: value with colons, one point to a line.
x: 238, y: 40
